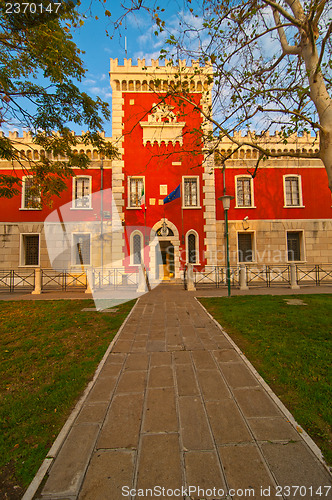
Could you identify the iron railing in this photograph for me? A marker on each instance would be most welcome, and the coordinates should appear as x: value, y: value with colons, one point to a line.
x: 314, y: 275
x: 215, y: 276
x: 23, y: 280
x: 207, y: 277
x: 114, y: 278
x: 268, y: 276
x: 264, y: 276
x: 63, y: 280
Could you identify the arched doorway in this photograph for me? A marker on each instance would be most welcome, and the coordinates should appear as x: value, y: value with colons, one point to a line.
x: 167, y: 261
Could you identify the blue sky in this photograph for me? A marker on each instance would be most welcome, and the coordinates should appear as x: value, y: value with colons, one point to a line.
x: 99, y: 47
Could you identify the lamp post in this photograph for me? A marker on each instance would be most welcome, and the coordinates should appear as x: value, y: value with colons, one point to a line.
x: 226, y: 201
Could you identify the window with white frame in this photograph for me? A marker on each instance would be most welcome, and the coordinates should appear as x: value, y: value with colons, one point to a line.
x: 82, y: 192
x: 190, y: 192
x: 136, y: 191
x: 292, y: 191
x: 245, y: 247
x: 30, y: 249
x: 81, y: 249
x: 244, y: 191
x: 294, y: 246
x: 136, y: 248
x: 192, y: 248
x: 30, y: 194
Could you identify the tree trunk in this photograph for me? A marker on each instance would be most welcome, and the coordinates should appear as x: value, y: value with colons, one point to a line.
x: 322, y: 102
x: 326, y: 152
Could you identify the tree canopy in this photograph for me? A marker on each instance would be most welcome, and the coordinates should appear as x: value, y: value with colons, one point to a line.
x: 272, y: 68
x: 39, y: 65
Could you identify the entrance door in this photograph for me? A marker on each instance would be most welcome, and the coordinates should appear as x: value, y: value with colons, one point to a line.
x: 166, y: 267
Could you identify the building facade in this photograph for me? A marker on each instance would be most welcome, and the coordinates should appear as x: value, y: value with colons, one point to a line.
x: 110, y: 211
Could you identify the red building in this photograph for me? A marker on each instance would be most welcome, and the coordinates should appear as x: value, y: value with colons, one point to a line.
x: 281, y: 215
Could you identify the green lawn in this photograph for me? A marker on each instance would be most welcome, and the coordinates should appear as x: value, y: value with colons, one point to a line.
x: 49, y: 350
x: 291, y: 347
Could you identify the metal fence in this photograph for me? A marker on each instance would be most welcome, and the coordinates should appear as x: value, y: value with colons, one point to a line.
x: 318, y: 274
x: 268, y: 276
x: 208, y: 277
x: 63, y: 280
x: 17, y: 280
x: 263, y: 276
x: 51, y: 280
x: 215, y: 276
x: 114, y: 278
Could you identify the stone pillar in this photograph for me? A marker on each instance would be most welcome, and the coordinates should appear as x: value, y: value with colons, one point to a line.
x: 38, y: 282
x: 190, y: 278
x: 89, y: 281
x: 293, y: 281
x: 243, y: 277
x: 141, y: 281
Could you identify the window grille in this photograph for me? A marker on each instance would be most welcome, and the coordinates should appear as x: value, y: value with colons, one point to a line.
x: 136, y: 191
x: 190, y: 192
x: 245, y: 253
x: 31, y: 249
x: 137, y: 247
x: 292, y: 191
x: 82, y: 249
x: 243, y: 192
x: 293, y: 246
x: 82, y: 192
x: 192, y: 248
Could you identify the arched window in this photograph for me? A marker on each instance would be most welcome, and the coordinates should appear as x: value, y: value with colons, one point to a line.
x: 192, y: 247
x: 137, y: 248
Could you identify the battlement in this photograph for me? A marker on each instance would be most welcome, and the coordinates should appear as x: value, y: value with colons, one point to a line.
x: 266, y: 137
x: 28, y: 150
x: 26, y: 137
x: 168, y: 66
x: 296, y: 143
x: 157, y: 77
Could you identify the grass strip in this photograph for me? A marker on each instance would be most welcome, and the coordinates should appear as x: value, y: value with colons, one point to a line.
x: 290, y: 346
x: 49, y: 351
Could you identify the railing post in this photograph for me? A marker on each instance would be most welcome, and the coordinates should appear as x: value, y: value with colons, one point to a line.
x: 243, y: 277
x: 190, y: 278
x: 11, y: 281
x: 293, y: 281
x: 38, y: 282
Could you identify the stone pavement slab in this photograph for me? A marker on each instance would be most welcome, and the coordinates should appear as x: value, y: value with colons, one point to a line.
x: 177, y: 406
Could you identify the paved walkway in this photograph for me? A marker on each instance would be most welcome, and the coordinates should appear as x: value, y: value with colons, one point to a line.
x: 175, y: 406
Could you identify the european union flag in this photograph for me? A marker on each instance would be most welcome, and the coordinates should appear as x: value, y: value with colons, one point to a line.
x: 173, y: 195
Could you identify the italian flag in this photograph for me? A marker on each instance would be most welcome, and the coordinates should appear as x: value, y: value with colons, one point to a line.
x: 143, y: 198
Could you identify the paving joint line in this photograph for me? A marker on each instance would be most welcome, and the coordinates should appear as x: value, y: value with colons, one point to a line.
x: 303, y: 434
x: 59, y: 441
x: 222, y: 469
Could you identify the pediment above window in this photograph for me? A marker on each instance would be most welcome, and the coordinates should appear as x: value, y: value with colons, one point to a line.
x: 162, y: 126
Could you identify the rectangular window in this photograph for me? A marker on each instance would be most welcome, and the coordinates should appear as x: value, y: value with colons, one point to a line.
x: 190, y: 191
x: 82, y: 192
x: 136, y: 191
x: 292, y: 191
x: 294, y: 246
x: 244, y: 192
x: 30, y: 194
x: 30, y: 250
x: 81, y: 250
x: 245, y: 247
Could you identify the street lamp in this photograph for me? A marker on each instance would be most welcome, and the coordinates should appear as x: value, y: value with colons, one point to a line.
x: 226, y: 202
